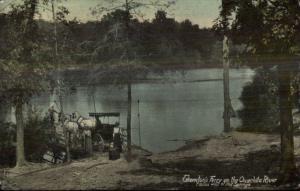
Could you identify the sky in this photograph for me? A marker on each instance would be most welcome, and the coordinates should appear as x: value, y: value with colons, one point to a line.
x: 201, y: 12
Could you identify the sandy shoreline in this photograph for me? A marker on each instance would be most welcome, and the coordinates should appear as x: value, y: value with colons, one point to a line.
x: 231, y: 155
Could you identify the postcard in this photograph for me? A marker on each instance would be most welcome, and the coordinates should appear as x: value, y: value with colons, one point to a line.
x: 149, y: 94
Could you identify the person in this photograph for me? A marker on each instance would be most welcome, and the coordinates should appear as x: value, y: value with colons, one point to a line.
x: 118, y: 142
x: 98, y: 122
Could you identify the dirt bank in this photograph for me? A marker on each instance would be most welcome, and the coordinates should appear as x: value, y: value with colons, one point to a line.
x: 230, y: 156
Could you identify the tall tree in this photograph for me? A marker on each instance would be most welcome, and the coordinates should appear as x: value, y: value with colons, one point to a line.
x: 270, y: 29
x: 24, y: 67
x: 227, y: 104
x: 126, y: 69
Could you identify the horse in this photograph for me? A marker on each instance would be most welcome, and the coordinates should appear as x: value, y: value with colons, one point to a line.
x: 62, y: 122
x: 84, y: 123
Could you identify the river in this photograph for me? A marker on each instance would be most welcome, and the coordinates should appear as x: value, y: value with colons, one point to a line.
x: 176, y: 106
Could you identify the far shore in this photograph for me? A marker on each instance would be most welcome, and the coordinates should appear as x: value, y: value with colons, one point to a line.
x: 80, y: 75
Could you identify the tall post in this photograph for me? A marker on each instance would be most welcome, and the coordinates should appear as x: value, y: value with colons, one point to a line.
x: 129, y: 121
x: 140, y: 141
x: 95, y: 110
x: 129, y: 96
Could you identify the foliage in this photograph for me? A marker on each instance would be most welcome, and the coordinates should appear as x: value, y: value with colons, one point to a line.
x: 7, y: 148
x: 163, y: 40
x: 119, y: 51
x: 268, y: 28
x: 121, y: 40
x: 260, y: 101
x: 153, y: 41
x: 23, y: 66
x: 27, y: 54
x: 260, y: 98
x: 37, y: 137
x: 37, y: 140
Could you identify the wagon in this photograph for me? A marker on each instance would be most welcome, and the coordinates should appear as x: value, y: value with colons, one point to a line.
x: 107, y: 132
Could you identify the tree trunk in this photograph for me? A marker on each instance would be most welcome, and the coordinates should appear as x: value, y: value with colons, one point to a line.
x: 227, y: 103
x: 89, y: 144
x: 20, y: 154
x: 5, y: 111
x: 67, y: 142
x: 129, y: 121
x: 288, y: 167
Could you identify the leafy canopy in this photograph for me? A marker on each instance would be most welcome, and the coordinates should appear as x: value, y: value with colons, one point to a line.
x: 269, y: 28
x: 23, y: 68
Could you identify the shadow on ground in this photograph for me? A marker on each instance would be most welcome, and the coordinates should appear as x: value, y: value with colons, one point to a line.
x: 261, y: 163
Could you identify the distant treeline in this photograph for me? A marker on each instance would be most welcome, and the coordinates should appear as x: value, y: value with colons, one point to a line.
x: 162, y: 40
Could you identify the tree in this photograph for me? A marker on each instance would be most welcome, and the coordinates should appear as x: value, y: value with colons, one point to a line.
x: 24, y: 67
x: 166, y: 38
x: 270, y: 30
x: 260, y: 111
x: 126, y: 69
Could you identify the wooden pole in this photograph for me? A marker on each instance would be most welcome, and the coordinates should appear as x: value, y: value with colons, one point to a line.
x: 140, y: 141
x: 94, y: 103
x: 129, y: 96
x: 129, y: 121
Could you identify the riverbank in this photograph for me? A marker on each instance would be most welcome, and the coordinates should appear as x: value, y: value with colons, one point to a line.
x: 243, y: 156
x: 90, y: 74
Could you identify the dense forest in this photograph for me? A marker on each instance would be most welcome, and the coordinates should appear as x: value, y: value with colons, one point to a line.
x: 163, y: 40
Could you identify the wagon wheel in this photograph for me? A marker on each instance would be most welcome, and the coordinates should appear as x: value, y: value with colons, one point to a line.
x: 98, y: 143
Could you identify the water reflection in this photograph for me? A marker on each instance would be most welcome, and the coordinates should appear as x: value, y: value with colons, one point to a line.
x: 190, y: 108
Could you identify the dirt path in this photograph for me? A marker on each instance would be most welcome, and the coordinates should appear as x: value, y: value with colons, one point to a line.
x: 233, y: 155
x: 92, y: 173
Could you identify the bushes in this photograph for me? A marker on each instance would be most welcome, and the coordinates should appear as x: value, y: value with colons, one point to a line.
x: 7, y: 147
x: 261, y: 101
x: 36, y: 140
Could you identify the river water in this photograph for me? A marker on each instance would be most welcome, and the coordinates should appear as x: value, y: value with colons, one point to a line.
x: 177, y: 106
